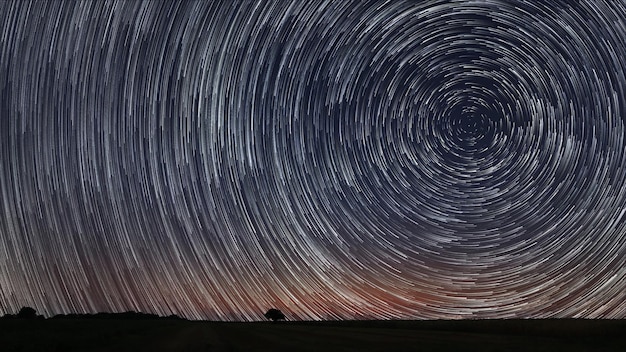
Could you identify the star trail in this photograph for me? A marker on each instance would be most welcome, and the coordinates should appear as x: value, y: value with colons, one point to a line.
x: 438, y: 159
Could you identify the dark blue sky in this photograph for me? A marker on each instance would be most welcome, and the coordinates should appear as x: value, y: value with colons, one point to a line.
x: 352, y: 159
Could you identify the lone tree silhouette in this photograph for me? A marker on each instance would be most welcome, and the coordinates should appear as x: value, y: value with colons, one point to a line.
x: 27, y: 313
x: 274, y: 315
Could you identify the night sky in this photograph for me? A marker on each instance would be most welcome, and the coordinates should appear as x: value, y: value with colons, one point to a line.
x: 332, y: 159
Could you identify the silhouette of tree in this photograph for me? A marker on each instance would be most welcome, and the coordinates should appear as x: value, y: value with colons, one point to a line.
x: 27, y: 313
x: 274, y: 315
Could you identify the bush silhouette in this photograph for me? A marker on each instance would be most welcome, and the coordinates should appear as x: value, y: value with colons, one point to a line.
x: 27, y: 313
x: 274, y: 315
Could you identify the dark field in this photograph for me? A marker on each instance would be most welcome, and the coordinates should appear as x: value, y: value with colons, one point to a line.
x: 180, y: 335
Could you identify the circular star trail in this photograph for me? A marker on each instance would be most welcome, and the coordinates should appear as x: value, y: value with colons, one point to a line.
x: 333, y: 159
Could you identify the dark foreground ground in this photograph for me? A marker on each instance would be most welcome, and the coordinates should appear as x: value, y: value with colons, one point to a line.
x: 173, y: 335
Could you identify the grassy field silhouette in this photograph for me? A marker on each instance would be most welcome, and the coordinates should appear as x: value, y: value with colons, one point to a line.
x: 180, y: 335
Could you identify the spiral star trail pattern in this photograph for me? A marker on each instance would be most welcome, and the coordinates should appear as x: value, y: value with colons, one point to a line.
x: 333, y: 159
